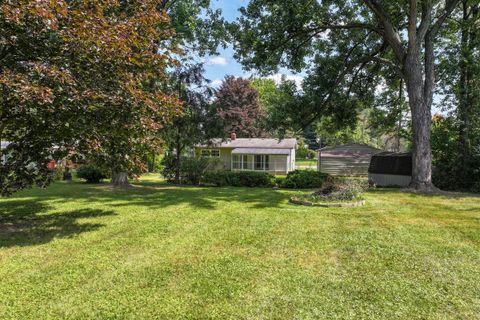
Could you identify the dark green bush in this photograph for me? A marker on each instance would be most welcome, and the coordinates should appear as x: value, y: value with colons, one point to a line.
x: 311, y: 154
x: 91, y: 173
x: 169, y: 165
x: 239, y: 178
x: 192, y: 169
x: 304, y: 179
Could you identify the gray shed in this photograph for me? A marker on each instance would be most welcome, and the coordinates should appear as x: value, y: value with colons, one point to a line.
x: 350, y: 159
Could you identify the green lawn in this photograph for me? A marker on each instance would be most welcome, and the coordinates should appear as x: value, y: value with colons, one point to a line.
x: 78, y: 251
x: 306, y: 162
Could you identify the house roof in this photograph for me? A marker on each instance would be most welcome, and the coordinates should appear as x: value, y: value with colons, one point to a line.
x: 253, y: 143
x: 348, y: 150
x: 260, y: 151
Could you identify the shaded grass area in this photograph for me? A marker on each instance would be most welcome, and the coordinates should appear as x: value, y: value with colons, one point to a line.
x: 159, y: 251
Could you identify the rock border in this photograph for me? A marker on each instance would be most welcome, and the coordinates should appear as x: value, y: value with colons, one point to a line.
x: 295, y: 200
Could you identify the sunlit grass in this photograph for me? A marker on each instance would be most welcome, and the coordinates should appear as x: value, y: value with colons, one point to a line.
x: 306, y: 162
x: 159, y: 251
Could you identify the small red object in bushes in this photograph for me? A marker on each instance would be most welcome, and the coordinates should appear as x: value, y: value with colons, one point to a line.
x: 51, y: 165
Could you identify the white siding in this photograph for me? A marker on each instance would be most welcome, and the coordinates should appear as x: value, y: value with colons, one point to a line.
x: 277, y: 163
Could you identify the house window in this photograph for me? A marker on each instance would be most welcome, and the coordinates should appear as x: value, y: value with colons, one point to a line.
x: 210, y: 153
x: 245, y: 162
x: 240, y: 162
x: 261, y: 162
x: 236, y: 161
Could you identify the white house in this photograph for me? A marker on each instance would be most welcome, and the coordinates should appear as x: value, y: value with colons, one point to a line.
x: 254, y: 154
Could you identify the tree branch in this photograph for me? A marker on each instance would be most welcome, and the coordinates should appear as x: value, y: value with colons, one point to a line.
x: 426, y: 19
x: 429, y: 59
x: 449, y: 6
x: 390, y: 33
x: 353, y: 25
x: 412, y: 24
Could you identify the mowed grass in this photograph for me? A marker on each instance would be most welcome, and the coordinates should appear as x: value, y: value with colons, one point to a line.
x: 78, y: 251
x: 306, y: 162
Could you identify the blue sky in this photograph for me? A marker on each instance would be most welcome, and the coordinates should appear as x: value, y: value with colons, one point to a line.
x: 217, y: 67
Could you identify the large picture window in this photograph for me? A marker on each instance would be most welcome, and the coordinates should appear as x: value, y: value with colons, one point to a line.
x: 241, y: 162
x: 261, y: 162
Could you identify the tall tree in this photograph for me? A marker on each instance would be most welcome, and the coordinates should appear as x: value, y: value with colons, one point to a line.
x: 122, y: 55
x: 395, y: 35
x: 36, y: 94
x: 267, y: 90
x: 77, y: 75
x: 460, y: 79
x: 237, y: 105
x: 199, y: 29
x: 198, y: 122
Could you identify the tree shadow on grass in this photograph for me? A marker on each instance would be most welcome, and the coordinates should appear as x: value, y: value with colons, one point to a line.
x: 25, y: 223
x: 160, y: 195
x: 210, y: 197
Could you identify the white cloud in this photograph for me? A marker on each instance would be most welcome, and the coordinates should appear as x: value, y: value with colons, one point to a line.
x: 277, y: 77
x: 217, y: 61
x: 216, y: 83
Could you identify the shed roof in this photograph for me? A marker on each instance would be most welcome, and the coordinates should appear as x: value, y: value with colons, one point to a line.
x: 260, y: 151
x: 264, y: 143
x: 391, y: 163
x: 349, y: 150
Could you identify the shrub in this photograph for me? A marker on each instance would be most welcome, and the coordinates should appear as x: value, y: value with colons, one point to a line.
x: 91, y: 173
x: 341, y: 190
x: 338, y: 190
x: 57, y: 173
x: 311, y: 154
x: 304, y: 179
x: 239, y: 178
x: 169, y: 165
x: 192, y: 169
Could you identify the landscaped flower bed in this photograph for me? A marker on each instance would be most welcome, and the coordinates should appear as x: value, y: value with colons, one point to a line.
x: 297, y: 200
x: 338, y: 193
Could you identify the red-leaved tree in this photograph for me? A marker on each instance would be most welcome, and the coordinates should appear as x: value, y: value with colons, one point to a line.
x: 238, y: 107
x: 81, y: 75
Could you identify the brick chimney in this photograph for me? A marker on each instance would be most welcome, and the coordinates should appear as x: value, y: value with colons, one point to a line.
x: 233, y: 136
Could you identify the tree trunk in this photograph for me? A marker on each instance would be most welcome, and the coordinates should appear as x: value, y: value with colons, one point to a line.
x: 178, y: 157
x: 120, y: 180
x: 466, y: 103
x: 421, y: 125
x: 399, y: 123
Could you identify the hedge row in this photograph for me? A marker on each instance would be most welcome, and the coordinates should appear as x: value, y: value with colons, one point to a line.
x: 304, y: 179
x: 239, y: 178
x: 297, y: 179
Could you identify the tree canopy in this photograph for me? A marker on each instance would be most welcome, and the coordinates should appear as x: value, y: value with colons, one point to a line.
x: 347, y: 47
x: 238, y: 107
x: 84, y: 76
